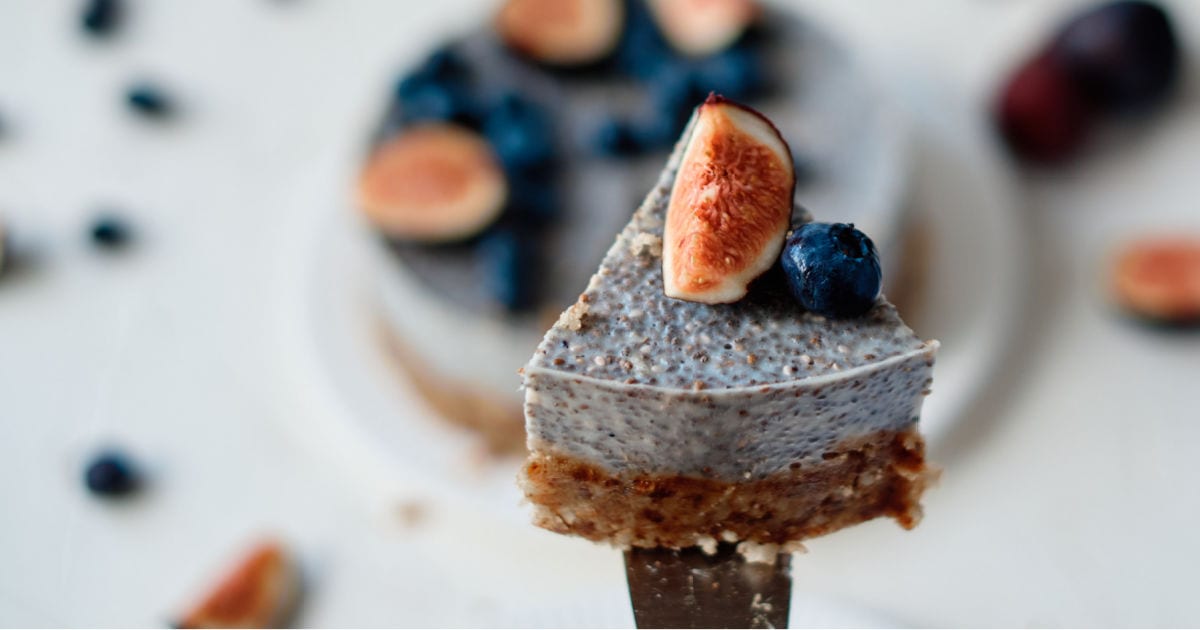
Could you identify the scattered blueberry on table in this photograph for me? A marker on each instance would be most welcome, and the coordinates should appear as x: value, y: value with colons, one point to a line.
x: 832, y: 269
x: 111, y: 474
x: 101, y: 18
x: 149, y: 100
x: 110, y: 232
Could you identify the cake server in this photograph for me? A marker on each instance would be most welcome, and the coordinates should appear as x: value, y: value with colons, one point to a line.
x: 692, y: 589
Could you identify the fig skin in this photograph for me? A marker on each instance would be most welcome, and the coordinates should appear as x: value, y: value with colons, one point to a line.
x: 433, y: 183
x: 1159, y: 280
x: 702, y: 27
x: 562, y: 33
x: 730, y: 205
x: 260, y: 592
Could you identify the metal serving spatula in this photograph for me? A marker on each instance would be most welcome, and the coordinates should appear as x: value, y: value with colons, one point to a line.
x: 691, y: 589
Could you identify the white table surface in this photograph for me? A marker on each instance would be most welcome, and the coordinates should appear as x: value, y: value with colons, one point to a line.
x: 1070, y: 495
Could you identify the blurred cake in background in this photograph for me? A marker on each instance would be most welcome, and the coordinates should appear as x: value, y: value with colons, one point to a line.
x: 507, y: 159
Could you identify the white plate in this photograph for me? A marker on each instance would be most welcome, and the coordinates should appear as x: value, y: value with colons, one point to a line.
x: 366, y: 417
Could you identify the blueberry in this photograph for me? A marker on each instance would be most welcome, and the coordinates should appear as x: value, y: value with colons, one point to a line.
x: 642, y: 50
x: 832, y: 269
x: 1123, y: 55
x: 533, y: 199
x: 446, y: 65
x: 520, y: 132
x: 443, y: 67
x: 109, y: 232
x: 509, y: 258
x: 149, y: 100
x: 101, y: 17
x: 426, y: 100
x: 735, y: 73
x: 616, y: 138
x: 674, y: 93
x: 111, y: 474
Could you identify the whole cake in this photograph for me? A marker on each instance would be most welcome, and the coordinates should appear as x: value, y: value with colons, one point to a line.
x: 507, y: 159
x: 681, y: 401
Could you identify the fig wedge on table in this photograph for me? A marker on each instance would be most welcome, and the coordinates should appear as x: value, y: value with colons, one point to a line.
x: 1159, y: 279
x: 730, y: 205
x: 433, y: 183
x: 561, y: 32
x: 260, y: 592
x: 703, y: 27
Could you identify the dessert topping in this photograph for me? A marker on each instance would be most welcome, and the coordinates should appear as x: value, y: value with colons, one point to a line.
x: 730, y: 205
x: 832, y: 269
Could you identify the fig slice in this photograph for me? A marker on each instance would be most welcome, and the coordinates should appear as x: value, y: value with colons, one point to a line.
x: 730, y: 205
x: 1159, y: 278
x: 260, y: 592
x: 433, y: 183
x: 703, y: 27
x: 561, y: 32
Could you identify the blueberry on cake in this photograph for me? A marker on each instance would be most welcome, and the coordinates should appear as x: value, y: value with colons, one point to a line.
x: 701, y: 389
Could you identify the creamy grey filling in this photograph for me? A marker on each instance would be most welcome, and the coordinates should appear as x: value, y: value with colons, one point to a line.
x: 730, y: 434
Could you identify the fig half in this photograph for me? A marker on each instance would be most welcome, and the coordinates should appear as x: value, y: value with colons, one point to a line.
x: 433, y: 183
x: 730, y: 205
x: 260, y: 592
x: 703, y: 27
x: 561, y: 32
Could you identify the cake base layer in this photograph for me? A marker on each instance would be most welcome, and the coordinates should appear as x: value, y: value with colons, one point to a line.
x: 881, y: 474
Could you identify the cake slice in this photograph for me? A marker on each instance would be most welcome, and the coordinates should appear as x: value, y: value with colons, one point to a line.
x: 654, y: 421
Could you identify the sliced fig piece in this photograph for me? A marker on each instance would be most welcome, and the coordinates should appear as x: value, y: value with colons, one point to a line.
x: 434, y: 183
x: 562, y: 32
x: 1160, y: 279
x: 260, y: 592
x: 730, y: 206
x: 703, y: 27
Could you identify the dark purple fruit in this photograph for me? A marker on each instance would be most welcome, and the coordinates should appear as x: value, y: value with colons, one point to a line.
x: 1124, y: 56
x: 1040, y: 113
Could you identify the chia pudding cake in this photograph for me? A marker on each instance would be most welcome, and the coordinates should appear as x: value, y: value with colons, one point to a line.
x: 553, y: 130
x: 660, y: 422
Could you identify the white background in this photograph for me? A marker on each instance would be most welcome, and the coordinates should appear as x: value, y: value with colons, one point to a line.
x: 1070, y: 496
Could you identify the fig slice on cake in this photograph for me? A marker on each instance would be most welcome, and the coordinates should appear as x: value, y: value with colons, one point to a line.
x: 260, y: 592
x: 730, y: 206
x: 561, y: 32
x: 434, y: 183
x: 703, y: 27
